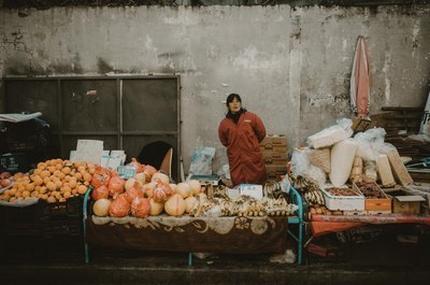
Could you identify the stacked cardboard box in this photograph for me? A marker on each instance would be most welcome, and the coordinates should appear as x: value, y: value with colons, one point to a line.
x: 275, y: 155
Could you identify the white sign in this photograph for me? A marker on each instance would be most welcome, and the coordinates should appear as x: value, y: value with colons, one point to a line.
x: 252, y: 190
x: 89, y: 150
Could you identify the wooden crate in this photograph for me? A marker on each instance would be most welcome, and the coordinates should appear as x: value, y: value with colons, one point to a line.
x: 407, y: 205
x: 275, y: 144
x: 376, y: 206
x: 279, y: 140
x: 274, y: 158
x: 274, y: 148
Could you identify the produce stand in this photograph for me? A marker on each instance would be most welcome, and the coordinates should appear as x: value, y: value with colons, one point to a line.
x: 237, y: 234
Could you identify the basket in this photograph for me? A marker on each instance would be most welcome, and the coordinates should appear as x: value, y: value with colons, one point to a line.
x: 321, y: 158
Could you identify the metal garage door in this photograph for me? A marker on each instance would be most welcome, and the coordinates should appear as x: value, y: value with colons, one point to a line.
x: 126, y: 112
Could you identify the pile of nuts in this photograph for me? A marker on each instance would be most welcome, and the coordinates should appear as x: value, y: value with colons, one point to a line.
x: 370, y: 190
x: 335, y: 191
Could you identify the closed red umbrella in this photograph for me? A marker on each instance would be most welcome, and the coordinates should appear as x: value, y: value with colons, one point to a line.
x: 360, y: 80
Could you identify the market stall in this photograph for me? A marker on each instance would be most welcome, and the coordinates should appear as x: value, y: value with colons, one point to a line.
x: 352, y: 179
x: 186, y: 217
x: 144, y: 210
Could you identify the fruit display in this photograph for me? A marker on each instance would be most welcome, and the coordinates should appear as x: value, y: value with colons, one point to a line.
x: 322, y: 210
x: 6, y: 180
x: 336, y: 191
x: 370, y: 190
x: 314, y: 197
x: 54, y: 181
x: 149, y: 193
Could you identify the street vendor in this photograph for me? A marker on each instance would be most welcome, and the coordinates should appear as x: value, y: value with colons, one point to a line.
x: 241, y: 132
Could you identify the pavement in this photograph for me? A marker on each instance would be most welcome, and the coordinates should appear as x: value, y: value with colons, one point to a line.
x: 389, y: 258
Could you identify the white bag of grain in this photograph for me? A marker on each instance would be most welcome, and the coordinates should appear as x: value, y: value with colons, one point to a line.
x: 342, y: 158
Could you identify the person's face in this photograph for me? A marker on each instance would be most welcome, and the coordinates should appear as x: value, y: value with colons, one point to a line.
x: 234, y: 106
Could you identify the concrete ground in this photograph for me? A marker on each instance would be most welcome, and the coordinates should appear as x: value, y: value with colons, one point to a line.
x: 379, y: 260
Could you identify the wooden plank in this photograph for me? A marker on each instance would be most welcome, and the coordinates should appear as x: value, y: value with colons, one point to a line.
x: 410, y: 109
x: 399, y: 168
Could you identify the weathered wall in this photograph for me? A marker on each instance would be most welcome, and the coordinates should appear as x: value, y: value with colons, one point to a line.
x: 291, y: 66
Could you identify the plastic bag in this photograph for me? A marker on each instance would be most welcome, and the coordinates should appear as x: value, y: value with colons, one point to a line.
x: 365, y: 150
x: 346, y: 124
x: 301, y: 166
x: 285, y: 184
x: 332, y: 135
x: 300, y: 162
x: 370, y: 143
x: 384, y: 148
x: 370, y: 174
x: 288, y: 257
x: 224, y: 171
x: 201, y: 161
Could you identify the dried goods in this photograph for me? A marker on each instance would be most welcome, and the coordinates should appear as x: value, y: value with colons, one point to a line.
x: 357, y: 170
x: 342, y: 158
x: 384, y: 170
x: 370, y: 174
x: 314, y: 197
x: 370, y: 190
x: 335, y: 191
x: 322, y: 210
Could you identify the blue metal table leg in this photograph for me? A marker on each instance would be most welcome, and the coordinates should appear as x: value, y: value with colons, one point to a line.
x: 300, y: 245
x: 84, y: 224
x: 190, y: 259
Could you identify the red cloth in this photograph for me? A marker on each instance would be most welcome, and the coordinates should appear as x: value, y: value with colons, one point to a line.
x: 243, y: 149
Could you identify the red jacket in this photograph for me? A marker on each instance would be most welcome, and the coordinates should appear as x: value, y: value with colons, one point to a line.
x: 243, y: 149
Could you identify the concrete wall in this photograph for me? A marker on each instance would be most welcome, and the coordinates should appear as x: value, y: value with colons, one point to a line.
x: 291, y: 66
